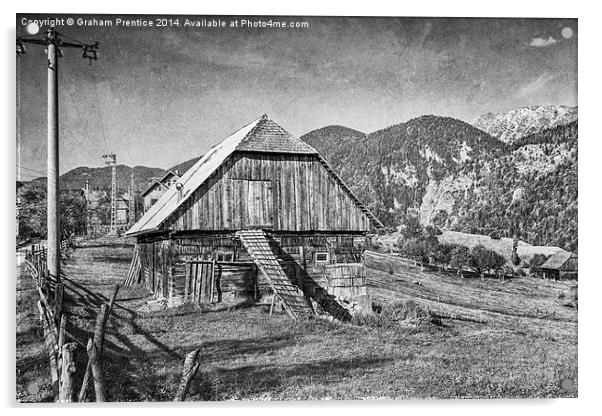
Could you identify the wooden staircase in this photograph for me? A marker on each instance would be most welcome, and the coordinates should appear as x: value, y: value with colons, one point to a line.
x: 292, y: 298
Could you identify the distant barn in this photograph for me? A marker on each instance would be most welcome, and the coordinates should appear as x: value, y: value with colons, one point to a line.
x: 262, y: 213
x: 562, y: 265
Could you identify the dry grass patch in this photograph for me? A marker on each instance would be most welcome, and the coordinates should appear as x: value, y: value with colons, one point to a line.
x: 248, y: 355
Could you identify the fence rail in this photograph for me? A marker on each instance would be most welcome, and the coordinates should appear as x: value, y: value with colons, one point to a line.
x: 54, y: 322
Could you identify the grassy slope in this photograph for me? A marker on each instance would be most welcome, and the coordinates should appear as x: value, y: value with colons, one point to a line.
x: 32, y: 371
x: 249, y: 355
x: 492, y: 301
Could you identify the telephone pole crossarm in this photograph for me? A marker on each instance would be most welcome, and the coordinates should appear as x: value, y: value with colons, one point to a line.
x: 51, y: 36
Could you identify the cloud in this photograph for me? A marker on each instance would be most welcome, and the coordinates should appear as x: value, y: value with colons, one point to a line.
x: 542, y: 43
x: 535, y: 85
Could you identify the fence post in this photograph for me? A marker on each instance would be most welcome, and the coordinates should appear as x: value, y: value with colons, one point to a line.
x: 58, y: 300
x: 94, y: 361
x: 66, y: 393
x: 113, y: 298
x: 191, y: 366
x: 62, y: 331
x: 101, y: 320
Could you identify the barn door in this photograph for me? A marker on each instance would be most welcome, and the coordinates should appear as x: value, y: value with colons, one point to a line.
x: 200, y: 282
x: 260, y: 205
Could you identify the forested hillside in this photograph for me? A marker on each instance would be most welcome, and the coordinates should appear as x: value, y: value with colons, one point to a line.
x: 184, y: 166
x: 100, y: 178
x: 454, y: 175
x: 531, y: 192
x: 391, y: 168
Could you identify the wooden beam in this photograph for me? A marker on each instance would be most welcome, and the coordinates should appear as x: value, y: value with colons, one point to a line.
x: 99, y: 390
x: 67, y: 392
x: 99, y: 330
x: 50, y: 347
x: 191, y: 366
x: 59, y: 290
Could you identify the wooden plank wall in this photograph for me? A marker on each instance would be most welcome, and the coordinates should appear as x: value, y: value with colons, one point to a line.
x: 213, y: 282
x: 155, y: 259
x: 199, y: 281
x: 346, y: 280
x: 164, y: 271
x: 284, y: 192
x: 238, y: 281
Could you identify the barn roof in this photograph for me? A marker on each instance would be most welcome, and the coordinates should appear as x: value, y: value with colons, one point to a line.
x: 262, y: 135
x: 269, y: 137
x: 558, y: 260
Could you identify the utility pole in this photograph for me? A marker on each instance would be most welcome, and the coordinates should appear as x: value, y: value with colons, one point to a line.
x: 112, y: 161
x: 87, y: 197
x: 132, y: 210
x: 53, y: 41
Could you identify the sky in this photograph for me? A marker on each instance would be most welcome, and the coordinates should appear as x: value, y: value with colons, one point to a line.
x: 162, y: 95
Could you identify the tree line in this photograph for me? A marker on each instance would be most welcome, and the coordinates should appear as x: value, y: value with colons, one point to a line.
x: 422, y: 245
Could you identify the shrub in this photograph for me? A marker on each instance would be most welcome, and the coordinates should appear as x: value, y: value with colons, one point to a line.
x: 536, y: 261
x: 415, y: 249
x: 393, y: 314
x: 459, y: 257
x: 443, y: 253
x: 483, y: 260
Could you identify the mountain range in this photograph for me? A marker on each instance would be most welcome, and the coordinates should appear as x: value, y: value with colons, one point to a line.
x: 513, y: 125
x: 512, y: 173
x: 456, y: 176
x: 100, y: 178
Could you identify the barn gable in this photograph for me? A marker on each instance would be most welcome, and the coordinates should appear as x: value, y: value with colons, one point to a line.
x: 260, y: 136
x: 269, y: 137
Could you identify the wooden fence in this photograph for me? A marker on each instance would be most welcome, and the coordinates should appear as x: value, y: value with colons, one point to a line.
x: 54, y: 322
x: 346, y: 279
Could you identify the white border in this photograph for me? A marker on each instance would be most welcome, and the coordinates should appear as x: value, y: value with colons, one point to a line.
x: 590, y: 158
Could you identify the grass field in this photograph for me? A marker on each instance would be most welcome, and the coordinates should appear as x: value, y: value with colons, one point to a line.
x: 526, y: 348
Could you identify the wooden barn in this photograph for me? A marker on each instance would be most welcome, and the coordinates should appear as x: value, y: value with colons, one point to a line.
x: 260, y: 216
x: 561, y: 265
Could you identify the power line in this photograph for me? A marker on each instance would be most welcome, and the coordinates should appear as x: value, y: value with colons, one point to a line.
x: 85, y: 126
x: 67, y: 37
x: 81, y: 145
x: 112, y: 161
x: 102, y: 124
x: 31, y: 170
x: 28, y: 176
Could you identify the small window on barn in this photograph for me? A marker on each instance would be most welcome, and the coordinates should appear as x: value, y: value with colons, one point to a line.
x: 228, y: 257
x: 322, y: 257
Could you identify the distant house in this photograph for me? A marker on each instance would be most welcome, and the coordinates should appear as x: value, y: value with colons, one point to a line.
x: 73, y: 190
x: 562, y: 265
x: 157, y: 187
x: 122, y: 208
